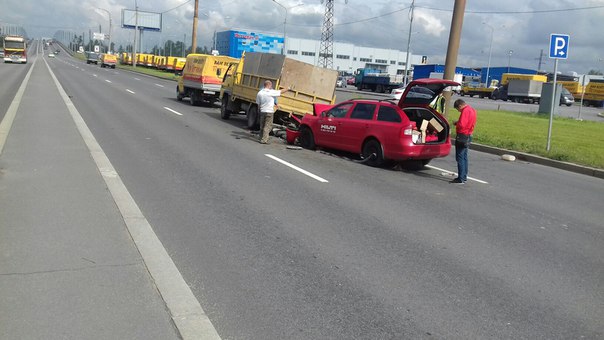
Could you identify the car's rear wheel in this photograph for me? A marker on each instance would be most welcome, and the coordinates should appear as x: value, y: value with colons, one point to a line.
x: 373, y: 150
x: 307, y: 139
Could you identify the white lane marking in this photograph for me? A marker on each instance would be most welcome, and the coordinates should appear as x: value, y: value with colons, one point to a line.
x: 130, y: 91
x: 116, y: 73
x: 309, y: 174
x: 136, y: 79
x: 455, y: 173
x: 184, y: 309
x: 107, y: 80
x: 95, y: 75
x: 9, y: 116
x: 159, y: 85
x: 169, y: 109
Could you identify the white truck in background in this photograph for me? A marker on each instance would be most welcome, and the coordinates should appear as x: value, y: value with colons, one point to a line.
x: 458, y: 78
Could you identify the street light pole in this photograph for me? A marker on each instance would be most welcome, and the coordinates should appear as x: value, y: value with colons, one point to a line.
x: 108, y: 13
x: 510, y: 59
x: 135, y: 34
x: 285, y: 22
x: 409, y: 42
x: 488, y: 84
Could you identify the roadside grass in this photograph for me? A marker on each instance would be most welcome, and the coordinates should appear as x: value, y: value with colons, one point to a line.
x: 580, y: 142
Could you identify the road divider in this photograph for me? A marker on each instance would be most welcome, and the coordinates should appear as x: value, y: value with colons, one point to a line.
x: 307, y: 173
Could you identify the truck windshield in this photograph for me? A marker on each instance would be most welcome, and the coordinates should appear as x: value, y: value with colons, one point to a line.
x: 14, y: 45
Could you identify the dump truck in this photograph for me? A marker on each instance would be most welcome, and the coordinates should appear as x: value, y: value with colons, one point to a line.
x: 482, y: 92
x: 308, y: 85
x: 376, y: 80
x: 506, y: 77
x: 594, y: 93
x: 202, y: 76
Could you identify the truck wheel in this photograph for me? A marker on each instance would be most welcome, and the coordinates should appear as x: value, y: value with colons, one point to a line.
x: 462, y: 93
x: 252, y: 117
x: 225, y: 113
x: 194, y: 98
x: 307, y: 139
x: 373, y: 149
x: 379, y: 89
x: 178, y: 95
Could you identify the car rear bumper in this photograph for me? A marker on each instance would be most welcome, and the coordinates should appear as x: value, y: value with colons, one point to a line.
x: 419, y: 151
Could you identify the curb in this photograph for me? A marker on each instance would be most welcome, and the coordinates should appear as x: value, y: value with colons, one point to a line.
x: 601, y: 115
x: 584, y: 170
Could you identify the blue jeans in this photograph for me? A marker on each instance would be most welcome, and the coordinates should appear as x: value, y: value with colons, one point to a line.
x: 461, y: 156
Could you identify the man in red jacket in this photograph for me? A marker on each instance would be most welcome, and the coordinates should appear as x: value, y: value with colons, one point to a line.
x: 464, y: 128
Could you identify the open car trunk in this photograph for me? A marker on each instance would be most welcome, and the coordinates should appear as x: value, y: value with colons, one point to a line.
x: 431, y: 128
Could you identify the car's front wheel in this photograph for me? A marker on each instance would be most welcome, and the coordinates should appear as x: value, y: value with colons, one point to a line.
x: 373, y: 150
x: 307, y: 139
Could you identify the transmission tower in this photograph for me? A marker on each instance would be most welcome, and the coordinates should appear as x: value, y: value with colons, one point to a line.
x: 326, y: 49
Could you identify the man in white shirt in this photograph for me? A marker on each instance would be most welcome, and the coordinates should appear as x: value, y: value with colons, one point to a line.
x: 266, y: 105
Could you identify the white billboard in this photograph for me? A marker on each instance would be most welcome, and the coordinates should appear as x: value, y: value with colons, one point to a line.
x: 148, y: 21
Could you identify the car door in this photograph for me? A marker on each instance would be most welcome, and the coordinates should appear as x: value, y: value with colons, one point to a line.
x: 353, y: 129
x: 328, y: 127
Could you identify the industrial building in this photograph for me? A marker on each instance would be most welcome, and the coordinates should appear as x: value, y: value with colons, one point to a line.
x: 347, y: 57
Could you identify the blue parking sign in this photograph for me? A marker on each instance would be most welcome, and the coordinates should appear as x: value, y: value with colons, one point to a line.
x: 558, y: 46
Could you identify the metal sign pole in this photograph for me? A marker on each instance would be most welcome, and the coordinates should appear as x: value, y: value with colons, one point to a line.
x: 551, y: 112
x: 582, y: 96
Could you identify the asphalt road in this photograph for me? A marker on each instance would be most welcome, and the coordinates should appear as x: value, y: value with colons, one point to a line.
x: 271, y: 253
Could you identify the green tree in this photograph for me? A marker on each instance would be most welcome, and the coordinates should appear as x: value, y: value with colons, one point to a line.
x: 595, y: 72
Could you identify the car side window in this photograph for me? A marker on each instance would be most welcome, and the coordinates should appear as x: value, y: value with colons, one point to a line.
x: 363, y: 111
x: 388, y: 114
x: 339, y: 111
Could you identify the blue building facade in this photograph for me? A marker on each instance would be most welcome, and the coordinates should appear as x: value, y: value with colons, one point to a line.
x: 234, y: 42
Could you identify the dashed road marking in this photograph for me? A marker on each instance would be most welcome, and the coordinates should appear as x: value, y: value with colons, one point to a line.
x: 175, y: 112
x: 159, y: 85
x: 107, y: 80
x: 95, y: 75
x: 130, y: 91
x: 455, y: 173
x: 136, y: 79
x: 307, y: 173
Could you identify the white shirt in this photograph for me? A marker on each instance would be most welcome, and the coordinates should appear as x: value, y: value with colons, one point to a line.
x: 266, y: 99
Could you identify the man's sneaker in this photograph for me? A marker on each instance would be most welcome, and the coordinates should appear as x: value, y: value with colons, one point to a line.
x: 457, y: 181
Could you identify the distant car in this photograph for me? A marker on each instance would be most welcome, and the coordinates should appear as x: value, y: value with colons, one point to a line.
x: 416, y: 91
x: 350, y: 81
x: 51, y: 55
x: 566, y: 98
x: 1, y: 54
x: 57, y: 51
x: 383, y: 131
x: 92, y: 58
x: 340, y: 82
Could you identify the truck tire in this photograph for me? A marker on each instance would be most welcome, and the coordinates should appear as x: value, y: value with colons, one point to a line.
x: 462, y: 93
x: 225, y: 113
x: 194, y: 98
x: 373, y: 147
x: 178, y: 95
x: 307, y: 139
x: 379, y: 89
x: 252, y: 117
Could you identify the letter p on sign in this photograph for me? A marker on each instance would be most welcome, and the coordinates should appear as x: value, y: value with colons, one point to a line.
x: 558, y: 46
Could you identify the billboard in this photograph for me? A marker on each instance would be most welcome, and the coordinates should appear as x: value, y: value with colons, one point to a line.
x: 148, y: 21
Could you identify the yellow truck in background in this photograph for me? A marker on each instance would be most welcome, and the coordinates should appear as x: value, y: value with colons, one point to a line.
x: 178, y: 64
x: 202, y: 76
x: 594, y: 93
x: 159, y: 62
x: 506, y: 77
x: 308, y: 85
x: 108, y: 60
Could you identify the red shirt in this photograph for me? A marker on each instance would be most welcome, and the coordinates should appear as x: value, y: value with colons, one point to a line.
x: 467, y: 121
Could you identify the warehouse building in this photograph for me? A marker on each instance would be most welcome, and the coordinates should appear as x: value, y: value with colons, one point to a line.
x: 347, y: 57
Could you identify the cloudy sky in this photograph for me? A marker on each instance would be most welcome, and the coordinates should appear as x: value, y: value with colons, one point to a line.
x: 522, y: 26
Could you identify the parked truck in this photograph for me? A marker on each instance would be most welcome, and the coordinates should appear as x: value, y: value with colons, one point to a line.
x: 308, y: 85
x: 376, y: 80
x: 594, y: 93
x: 202, y: 77
x: 525, y: 88
x: 457, y: 77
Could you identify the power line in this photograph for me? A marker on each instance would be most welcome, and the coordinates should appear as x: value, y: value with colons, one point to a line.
x: 357, y: 21
x: 517, y: 12
x: 171, y: 9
